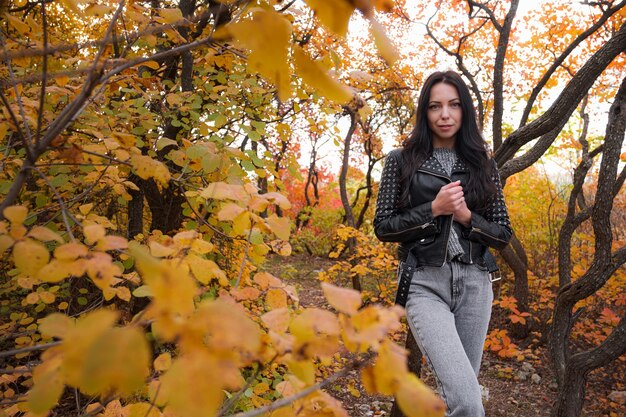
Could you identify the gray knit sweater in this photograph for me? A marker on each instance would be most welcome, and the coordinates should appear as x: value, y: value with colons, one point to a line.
x: 447, y: 158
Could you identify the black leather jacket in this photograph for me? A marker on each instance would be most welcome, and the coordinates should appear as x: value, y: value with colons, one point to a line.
x: 416, y: 229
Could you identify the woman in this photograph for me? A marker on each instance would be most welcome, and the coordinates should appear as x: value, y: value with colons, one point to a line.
x: 440, y: 196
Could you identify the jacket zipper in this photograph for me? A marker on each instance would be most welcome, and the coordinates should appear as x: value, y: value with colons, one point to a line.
x: 421, y: 226
x: 477, y: 230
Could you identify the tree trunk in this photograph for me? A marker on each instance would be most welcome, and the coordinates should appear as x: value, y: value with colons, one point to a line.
x: 515, y: 256
x: 135, y: 209
x: 571, y: 369
x: 343, y: 191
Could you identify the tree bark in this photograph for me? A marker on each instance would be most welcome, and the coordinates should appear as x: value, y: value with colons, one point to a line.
x: 345, y: 166
x: 571, y: 369
x: 498, y: 73
x: 515, y: 256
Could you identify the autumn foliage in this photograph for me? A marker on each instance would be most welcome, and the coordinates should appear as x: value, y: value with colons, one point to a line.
x: 135, y: 220
x: 153, y: 156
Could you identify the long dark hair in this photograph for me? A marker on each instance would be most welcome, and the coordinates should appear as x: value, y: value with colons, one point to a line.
x: 469, y: 145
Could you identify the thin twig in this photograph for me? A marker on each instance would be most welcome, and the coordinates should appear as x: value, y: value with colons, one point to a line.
x: 14, y: 352
x: 44, y: 71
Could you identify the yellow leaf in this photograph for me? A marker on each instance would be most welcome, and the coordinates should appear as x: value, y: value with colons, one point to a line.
x: 15, y: 214
x: 218, y: 318
x: 278, y: 199
x: 201, y: 246
x: 280, y: 226
x: 245, y: 293
x: 335, y: 14
x: 193, y: 386
x: 18, y: 25
x: 267, y: 36
x: 111, y: 243
x: 5, y: 242
x: 261, y: 388
x: 98, y: 10
x: 122, y: 293
x: 390, y: 368
x: 146, y: 168
x: 56, y: 325
x: 108, y: 293
x: 85, y: 208
x: 48, y: 386
x: 385, y: 47
x: 79, y: 339
x: 204, y: 270
x: 229, y: 212
x: 275, y: 298
x: 312, y: 322
x: 316, y: 77
x: 140, y: 410
x: 160, y: 251
x: 185, y: 238
x: 47, y: 297
x: 345, y: 300
x: 417, y: 400
x: 30, y: 256
x: 258, y: 204
x: 265, y: 279
x: 93, y: 233
x: 70, y: 251
x: 56, y: 271
x: 163, y: 362
x: 44, y: 234
x: 277, y: 320
x: 169, y: 16
x: 117, y: 361
x: 304, y: 370
x: 241, y: 224
x: 281, y: 247
x: 153, y: 65
x: 127, y: 140
x: 32, y: 298
x: 223, y: 191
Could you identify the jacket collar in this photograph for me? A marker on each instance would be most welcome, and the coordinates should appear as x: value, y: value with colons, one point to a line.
x: 432, y: 166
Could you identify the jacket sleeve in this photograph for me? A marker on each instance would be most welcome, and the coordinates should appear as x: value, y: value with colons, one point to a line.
x: 393, y: 224
x: 493, y: 228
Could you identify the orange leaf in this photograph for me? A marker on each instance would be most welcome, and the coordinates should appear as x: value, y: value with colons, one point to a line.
x: 344, y: 300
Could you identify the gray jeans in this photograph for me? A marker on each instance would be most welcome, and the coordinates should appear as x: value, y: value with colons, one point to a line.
x: 448, y: 311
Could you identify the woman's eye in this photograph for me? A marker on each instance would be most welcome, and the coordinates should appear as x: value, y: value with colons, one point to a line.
x: 433, y: 107
x: 455, y: 105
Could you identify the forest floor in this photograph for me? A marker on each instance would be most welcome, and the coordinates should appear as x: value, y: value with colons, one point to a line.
x: 515, y: 388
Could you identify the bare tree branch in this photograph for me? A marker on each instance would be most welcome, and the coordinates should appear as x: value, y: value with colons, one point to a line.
x: 567, y: 101
x: 561, y: 58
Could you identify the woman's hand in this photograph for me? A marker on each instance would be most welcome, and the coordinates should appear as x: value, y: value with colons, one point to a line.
x: 450, y: 200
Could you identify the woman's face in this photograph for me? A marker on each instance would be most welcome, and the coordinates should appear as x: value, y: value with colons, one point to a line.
x: 444, y: 114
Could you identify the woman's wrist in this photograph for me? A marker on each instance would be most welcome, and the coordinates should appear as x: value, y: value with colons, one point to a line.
x: 464, y: 217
